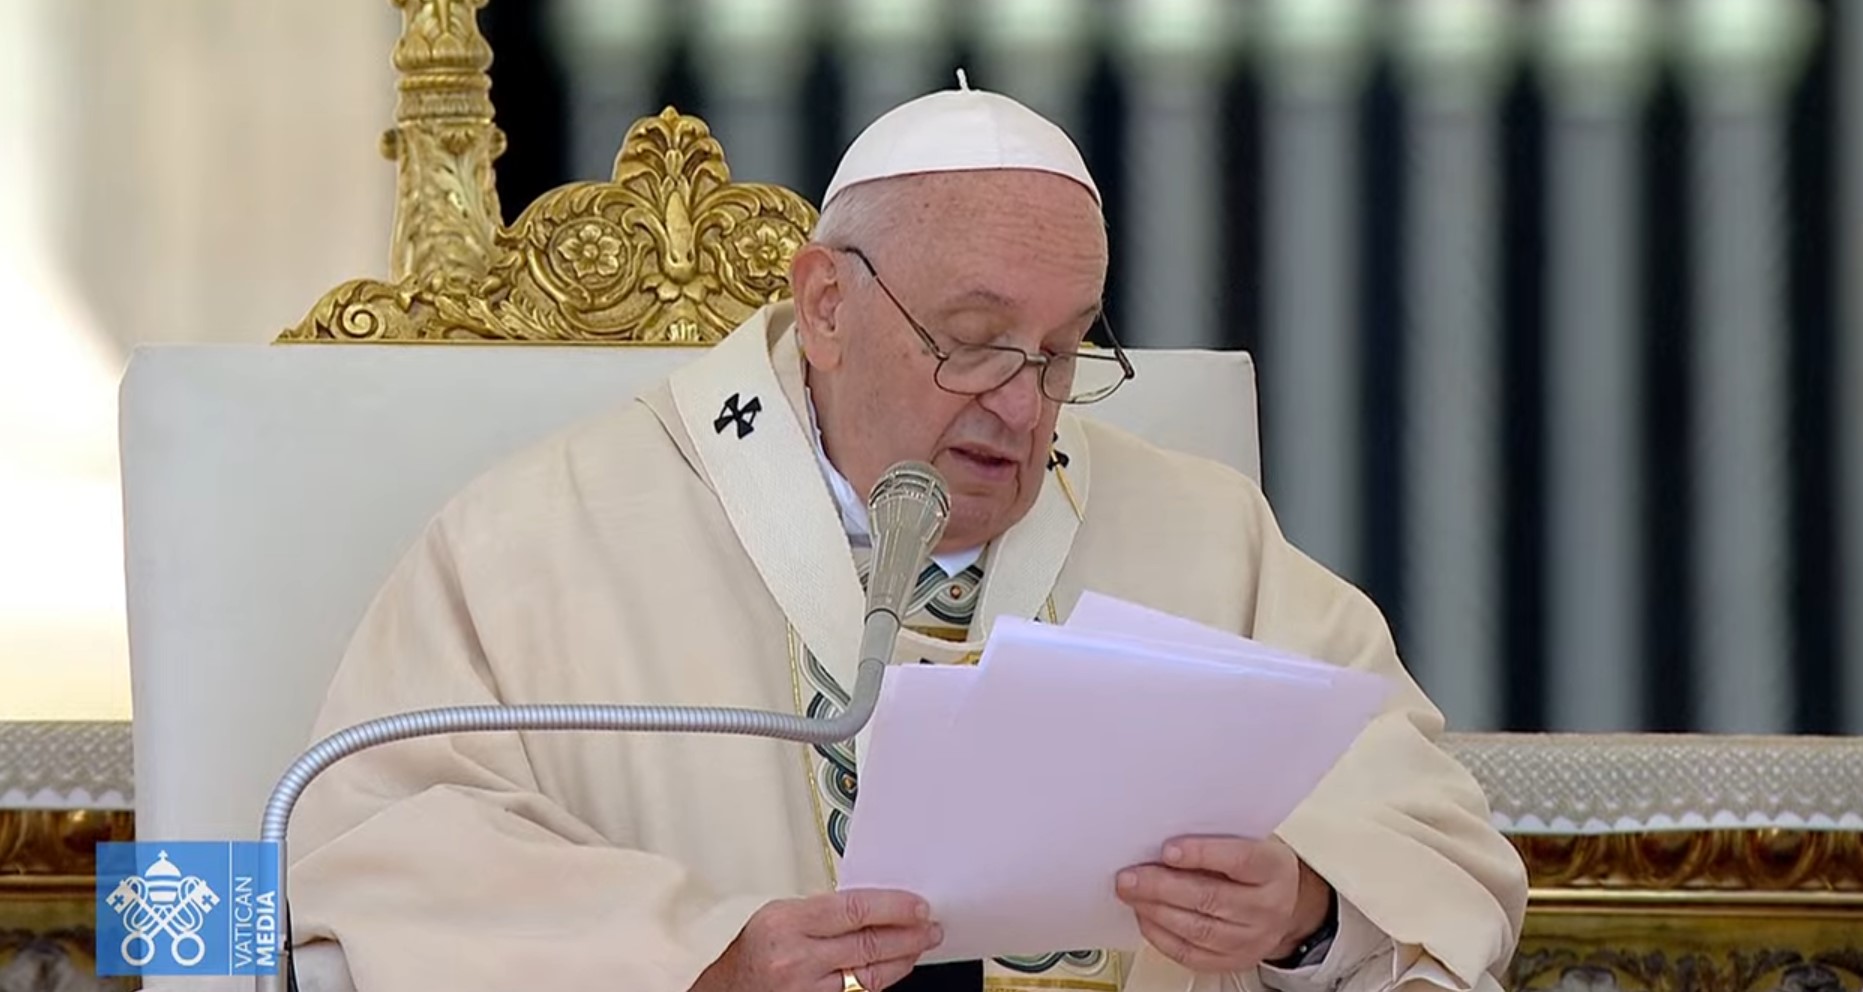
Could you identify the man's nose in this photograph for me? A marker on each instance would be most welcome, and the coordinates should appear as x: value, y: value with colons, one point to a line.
x: 1017, y: 403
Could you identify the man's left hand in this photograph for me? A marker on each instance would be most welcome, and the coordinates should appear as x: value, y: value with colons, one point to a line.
x: 1225, y: 904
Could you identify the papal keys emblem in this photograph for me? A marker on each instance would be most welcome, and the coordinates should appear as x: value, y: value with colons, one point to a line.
x: 163, y: 902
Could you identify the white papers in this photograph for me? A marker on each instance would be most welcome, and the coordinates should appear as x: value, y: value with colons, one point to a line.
x: 1009, y: 795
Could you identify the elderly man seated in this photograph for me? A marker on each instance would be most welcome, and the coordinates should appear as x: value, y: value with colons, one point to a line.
x: 696, y: 546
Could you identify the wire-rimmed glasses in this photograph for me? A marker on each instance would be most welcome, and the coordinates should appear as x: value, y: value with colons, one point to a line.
x: 1076, y: 377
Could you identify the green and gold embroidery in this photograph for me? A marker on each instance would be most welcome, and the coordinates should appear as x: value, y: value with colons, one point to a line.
x: 950, y: 602
x: 941, y: 607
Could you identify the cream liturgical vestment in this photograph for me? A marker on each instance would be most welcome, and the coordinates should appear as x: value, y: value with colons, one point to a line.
x: 686, y: 549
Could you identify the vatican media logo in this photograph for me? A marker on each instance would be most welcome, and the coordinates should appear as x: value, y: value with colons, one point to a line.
x: 161, y: 902
x: 188, y: 908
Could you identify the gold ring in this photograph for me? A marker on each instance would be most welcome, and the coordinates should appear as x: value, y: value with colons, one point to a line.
x: 851, y: 984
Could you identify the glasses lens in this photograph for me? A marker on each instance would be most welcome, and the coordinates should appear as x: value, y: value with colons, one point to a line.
x: 1086, y: 378
x: 974, y: 369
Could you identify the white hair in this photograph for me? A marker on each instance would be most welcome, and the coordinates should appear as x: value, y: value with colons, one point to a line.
x: 865, y: 214
x: 861, y: 216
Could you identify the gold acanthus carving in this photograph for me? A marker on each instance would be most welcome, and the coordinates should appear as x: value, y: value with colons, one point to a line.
x: 446, y: 209
x: 1770, y: 860
x: 671, y: 251
x: 58, y: 842
x: 441, y: 35
x: 443, y: 145
x: 360, y: 310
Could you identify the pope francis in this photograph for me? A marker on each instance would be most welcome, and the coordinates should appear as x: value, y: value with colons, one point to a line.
x: 706, y: 545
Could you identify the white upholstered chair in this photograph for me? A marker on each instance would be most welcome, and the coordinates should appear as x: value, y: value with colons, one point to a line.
x: 269, y: 489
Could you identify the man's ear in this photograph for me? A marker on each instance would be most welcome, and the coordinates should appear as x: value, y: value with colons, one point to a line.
x: 816, y: 284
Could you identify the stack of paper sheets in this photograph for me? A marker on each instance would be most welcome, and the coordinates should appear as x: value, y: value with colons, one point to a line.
x: 1009, y: 795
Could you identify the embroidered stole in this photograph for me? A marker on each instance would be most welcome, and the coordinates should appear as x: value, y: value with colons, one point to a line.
x: 937, y: 631
x: 743, y: 407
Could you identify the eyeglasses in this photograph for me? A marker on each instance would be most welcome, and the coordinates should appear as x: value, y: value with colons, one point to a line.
x: 974, y: 369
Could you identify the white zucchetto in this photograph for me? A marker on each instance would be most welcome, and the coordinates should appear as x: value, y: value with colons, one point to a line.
x: 960, y: 130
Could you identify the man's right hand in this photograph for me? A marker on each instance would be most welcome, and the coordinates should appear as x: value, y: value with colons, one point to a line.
x: 804, y: 945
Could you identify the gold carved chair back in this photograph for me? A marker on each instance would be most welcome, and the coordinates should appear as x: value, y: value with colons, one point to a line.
x: 667, y: 251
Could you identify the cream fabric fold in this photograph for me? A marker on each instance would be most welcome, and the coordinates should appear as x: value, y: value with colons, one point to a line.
x: 766, y: 480
x: 798, y: 541
x: 1022, y: 571
x: 639, y: 558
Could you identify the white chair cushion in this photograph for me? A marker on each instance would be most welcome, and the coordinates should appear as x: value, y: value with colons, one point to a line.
x: 269, y: 489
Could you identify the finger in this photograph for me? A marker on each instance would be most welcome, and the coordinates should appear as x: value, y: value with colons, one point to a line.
x: 1184, y: 953
x: 836, y: 913
x: 1203, y: 932
x: 864, y: 947
x: 881, y: 974
x: 1236, y: 858
x: 1198, y: 892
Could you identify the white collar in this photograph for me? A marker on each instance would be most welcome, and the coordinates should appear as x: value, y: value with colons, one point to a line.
x: 854, y: 510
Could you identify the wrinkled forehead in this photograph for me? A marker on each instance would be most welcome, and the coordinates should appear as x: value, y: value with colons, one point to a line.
x: 988, y: 198
x: 1007, y: 235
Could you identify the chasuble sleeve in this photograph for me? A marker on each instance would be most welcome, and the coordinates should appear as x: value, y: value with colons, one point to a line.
x: 439, y: 862
x: 1431, y: 893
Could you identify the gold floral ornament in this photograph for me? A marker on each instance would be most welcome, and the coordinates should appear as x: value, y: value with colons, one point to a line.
x: 671, y: 251
x: 766, y: 250
x: 593, y: 251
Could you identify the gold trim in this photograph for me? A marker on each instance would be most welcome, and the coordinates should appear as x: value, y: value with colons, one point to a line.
x: 1728, y: 961
x: 38, y: 845
x: 1634, y: 901
x: 1015, y: 984
x: 671, y: 251
x: 56, y: 888
x: 1060, y: 475
x: 808, y: 762
x: 1762, y: 860
x: 443, y: 145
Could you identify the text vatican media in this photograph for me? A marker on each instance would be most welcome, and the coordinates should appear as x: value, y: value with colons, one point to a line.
x: 255, y: 925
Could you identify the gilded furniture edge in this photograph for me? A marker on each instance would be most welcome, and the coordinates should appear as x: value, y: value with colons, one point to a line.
x: 669, y: 251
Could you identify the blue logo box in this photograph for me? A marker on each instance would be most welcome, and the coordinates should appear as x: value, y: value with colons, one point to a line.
x: 188, y: 908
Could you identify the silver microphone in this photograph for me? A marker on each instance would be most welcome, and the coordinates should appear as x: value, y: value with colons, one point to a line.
x: 908, y: 510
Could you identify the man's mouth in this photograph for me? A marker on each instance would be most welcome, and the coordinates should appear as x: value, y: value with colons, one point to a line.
x: 985, y: 462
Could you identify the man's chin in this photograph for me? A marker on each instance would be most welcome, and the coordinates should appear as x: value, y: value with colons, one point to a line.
x: 977, y: 519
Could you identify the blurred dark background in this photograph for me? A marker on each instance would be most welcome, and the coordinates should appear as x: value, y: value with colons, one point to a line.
x: 1413, y: 102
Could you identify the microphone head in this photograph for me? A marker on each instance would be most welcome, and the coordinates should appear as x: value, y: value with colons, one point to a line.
x: 911, y: 487
x: 908, y: 509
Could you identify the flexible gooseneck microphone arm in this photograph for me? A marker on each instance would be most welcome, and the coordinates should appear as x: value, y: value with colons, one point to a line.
x: 908, y: 509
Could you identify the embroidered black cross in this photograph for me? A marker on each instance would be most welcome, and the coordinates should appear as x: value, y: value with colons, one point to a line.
x: 745, y: 416
x: 1055, y: 455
